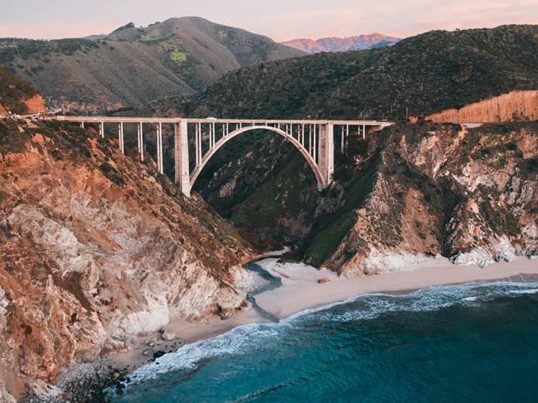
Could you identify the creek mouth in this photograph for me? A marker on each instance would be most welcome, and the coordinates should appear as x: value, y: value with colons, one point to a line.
x: 268, y: 282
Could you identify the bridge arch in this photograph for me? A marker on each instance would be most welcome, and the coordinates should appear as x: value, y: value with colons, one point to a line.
x: 219, y: 144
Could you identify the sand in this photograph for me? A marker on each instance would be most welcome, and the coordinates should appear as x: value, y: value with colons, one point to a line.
x: 304, y: 287
x: 300, y: 288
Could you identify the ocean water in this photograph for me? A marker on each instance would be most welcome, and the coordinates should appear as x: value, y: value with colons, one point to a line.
x: 474, y: 342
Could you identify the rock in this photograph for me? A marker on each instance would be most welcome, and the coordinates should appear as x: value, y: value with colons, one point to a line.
x: 168, y: 335
x: 108, y: 253
x: 158, y: 354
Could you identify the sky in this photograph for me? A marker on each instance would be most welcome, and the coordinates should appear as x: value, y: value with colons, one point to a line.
x: 278, y: 19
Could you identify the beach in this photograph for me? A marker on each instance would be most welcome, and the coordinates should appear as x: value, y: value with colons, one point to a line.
x: 304, y: 288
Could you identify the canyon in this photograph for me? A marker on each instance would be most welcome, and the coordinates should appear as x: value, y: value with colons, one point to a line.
x: 99, y: 249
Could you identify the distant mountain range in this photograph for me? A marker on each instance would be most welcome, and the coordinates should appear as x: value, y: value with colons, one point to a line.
x: 360, y: 42
x: 132, y: 66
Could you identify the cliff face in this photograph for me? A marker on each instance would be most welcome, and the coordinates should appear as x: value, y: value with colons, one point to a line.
x: 516, y: 105
x: 97, y: 248
x: 469, y: 195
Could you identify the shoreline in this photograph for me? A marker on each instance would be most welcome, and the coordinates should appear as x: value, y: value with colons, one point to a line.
x: 301, y: 291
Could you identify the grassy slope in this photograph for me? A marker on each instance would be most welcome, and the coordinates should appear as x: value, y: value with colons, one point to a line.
x: 133, y: 66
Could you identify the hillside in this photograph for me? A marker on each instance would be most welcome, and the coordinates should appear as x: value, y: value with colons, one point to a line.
x: 333, y: 44
x: 133, y: 66
x: 418, y: 76
x: 279, y: 206
x: 96, y: 249
x: 408, y: 193
x: 17, y: 96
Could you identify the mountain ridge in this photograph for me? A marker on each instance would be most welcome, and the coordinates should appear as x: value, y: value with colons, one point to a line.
x: 133, y: 66
x: 342, y: 44
x: 418, y: 76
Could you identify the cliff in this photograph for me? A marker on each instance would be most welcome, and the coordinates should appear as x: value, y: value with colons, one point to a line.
x: 516, y: 105
x: 471, y: 196
x: 97, y: 248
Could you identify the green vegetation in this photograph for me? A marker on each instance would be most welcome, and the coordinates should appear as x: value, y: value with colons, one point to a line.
x: 14, y: 91
x: 325, y: 242
x: 178, y: 56
x: 112, y: 174
x: 419, y: 75
x: 175, y: 57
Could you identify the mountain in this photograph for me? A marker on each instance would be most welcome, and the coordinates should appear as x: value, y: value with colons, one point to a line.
x: 418, y: 76
x: 360, y: 42
x: 96, y: 249
x: 132, y: 66
x: 425, y: 74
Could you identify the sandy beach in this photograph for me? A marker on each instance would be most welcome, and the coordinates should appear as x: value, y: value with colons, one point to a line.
x: 300, y: 288
x: 304, y: 287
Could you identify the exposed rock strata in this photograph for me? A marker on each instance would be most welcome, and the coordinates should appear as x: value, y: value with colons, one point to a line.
x: 97, y: 248
x: 469, y: 195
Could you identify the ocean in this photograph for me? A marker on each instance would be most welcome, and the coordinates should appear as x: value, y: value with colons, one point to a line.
x: 475, y: 342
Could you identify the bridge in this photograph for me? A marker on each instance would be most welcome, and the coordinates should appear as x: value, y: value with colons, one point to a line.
x: 197, y: 140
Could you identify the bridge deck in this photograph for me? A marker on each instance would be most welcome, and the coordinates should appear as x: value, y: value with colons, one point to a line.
x: 261, y: 122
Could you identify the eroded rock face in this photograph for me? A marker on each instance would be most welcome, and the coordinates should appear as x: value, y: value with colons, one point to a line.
x: 468, y: 195
x: 96, y: 250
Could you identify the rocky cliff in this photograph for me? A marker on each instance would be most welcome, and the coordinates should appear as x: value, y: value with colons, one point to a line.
x: 470, y: 195
x: 97, y: 248
x: 408, y: 193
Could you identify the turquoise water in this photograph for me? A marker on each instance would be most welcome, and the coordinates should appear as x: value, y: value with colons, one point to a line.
x: 464, y: 343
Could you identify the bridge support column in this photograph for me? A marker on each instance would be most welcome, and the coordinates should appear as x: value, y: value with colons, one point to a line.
x: 141, y: 141
x: 160, y: 164
x: 102, y: 129
x: 181, y: 154
x: 326, y: 152
x: 120, y: 138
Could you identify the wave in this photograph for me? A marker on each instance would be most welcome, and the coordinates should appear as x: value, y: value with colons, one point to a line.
x: 245, y: 338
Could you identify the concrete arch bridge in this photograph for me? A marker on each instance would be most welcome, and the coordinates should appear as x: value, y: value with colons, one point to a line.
x: 197, y: 140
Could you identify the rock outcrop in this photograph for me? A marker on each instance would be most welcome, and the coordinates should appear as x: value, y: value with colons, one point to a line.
x: 97, y: 248
x: 470, y: 195
x: 516, y: 105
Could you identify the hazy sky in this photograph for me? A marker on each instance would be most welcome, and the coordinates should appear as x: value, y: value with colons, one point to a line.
x: 279, y: 19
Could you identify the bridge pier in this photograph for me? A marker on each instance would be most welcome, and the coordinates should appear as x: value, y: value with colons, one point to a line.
x: 181, y: 157
x: 120, y: 138
x: 102, y: 129
x: 160, y: 162
x: 326, y: 152
x: 140, y: 133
